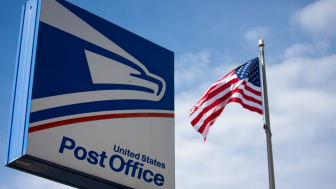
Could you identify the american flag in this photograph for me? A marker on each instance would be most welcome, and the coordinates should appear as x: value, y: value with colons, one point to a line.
x: 241, y: 85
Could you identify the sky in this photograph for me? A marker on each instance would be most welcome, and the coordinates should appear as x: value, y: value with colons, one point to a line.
x: 209, y: 39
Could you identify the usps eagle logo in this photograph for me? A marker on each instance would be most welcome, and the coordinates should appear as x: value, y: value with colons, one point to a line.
x: 114, y: 74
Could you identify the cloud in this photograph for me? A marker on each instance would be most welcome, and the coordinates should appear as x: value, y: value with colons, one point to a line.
x: 190, y: 65
x: 194, y: 68
x: 320, y: 48
x: 302, y: 98
x: 318, y: 18
x: 255, y: 34
x: 299, y: 49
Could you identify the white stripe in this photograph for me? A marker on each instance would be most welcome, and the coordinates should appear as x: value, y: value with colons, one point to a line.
x: 92, y: 96
x: 207, y: 128
x: 256, y: 88
x: 219, y: 95
x: 201, y: 121
x: 223, y: 93
x: 213, y: 99
x: 247, y: 102
x: 226, y: 80
x: 219, y: 84
x: 211, y: 111
x: 208, y: 103
x: 248, y: 93
x: 218, y: 107
x: 97, y: 113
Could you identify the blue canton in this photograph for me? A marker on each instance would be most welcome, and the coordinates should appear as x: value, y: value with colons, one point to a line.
x: 249, y: 70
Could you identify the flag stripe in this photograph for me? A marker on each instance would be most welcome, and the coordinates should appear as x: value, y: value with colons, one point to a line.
x: 204, y: 112
x: 251, y: 108
x: 248, y: 98
x: 202, y: 119
x: 247, y: 92
x: 207, y: 105
x: 211, y: 118
x: 258, y: 93
x: 209, y: 98
x: 216, y: 86
x: 218, y: 83
x: 250, y: 103
x: 255, y: 88
x: 207, y: 112
x: 247, y: 95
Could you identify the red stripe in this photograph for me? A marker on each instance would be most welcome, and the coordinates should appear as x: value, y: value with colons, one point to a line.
x: 251, y: 108
x: 215, y: 103
x: 223, y: 87
x: 213, y: 86
x: 223, y: 98
x: 249, y: 98
x: 206, y: 109
x: 95, y: 118
x: 210, y: 118
x: 214, y: 115
x: 258, y: 93
x: 218, y: 90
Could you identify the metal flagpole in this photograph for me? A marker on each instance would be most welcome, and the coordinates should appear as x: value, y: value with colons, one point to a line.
x: 267, y: 125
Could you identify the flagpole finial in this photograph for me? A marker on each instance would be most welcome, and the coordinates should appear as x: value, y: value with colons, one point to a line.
x: 261, y: 42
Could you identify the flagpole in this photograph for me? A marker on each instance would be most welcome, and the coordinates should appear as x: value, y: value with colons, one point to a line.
x: 267, y: 125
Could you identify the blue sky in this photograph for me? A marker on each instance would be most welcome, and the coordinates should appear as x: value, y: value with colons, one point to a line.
x: 209, y: 39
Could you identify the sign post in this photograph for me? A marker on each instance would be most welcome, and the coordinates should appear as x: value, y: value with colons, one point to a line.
x: 93, y: 104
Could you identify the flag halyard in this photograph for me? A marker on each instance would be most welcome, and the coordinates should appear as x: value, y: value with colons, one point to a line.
x: 242, y: 85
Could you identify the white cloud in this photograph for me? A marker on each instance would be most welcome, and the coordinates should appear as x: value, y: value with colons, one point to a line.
x: 189, y: 67
x: 320, y: 48
x: 299, y: 49
x: 194, y: 68
x: 254, y: 34
x: 318, y: 17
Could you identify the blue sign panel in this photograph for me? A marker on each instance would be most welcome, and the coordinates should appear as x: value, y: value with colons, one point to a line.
x: 92, y: 103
